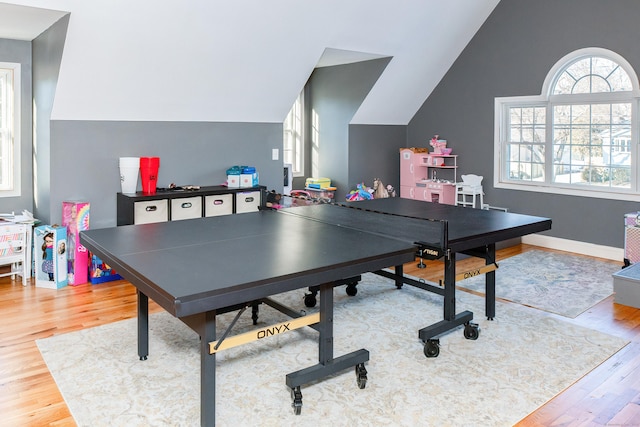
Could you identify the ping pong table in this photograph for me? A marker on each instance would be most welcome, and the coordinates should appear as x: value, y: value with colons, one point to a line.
x: 196, y: 269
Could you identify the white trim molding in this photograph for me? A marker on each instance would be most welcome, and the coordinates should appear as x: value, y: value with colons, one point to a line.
x: 582, y: 248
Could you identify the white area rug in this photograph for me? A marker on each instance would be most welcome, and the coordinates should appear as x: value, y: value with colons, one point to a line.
x: 559, y: 283
x: 520, y: 361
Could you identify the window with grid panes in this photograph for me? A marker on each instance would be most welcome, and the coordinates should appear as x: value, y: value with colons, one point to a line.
x: 579, y: 136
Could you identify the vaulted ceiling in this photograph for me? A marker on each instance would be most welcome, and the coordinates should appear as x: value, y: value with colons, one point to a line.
x: 244, y: 60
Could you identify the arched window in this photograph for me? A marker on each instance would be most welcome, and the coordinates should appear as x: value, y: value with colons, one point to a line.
x: 593, y: 74
x: 579, y: 136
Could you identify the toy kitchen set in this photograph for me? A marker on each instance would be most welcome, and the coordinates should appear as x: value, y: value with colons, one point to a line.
x: 429, y: 176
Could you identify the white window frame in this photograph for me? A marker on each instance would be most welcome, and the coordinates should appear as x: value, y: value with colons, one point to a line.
x: 547, y: 100
x: 10, y: 127
x: 297, y: 149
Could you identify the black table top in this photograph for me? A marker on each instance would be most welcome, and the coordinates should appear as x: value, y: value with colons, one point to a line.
x: 192, y: 266
x: 415, y: 221
x: 196, y: 265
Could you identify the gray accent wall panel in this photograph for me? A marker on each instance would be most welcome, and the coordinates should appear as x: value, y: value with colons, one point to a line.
x: 374, y: 152
x: 510, y: 56
x: 336, y: 93
x: 20, y: 52
x: 84, y: 158
x: 47, y: 55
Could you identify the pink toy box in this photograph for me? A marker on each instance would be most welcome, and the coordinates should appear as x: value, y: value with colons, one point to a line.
x: 75, y: 216
x: 50, y: 247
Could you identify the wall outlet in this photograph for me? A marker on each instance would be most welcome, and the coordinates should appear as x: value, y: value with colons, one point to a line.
x: 275, y: 154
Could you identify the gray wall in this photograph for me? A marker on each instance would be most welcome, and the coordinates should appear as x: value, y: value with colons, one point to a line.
x: 20, y: 52
x: 336, y: 94
x: 84, y: 164
x: 374, y: 153
x: 47, y: 55
x: 510, y: 56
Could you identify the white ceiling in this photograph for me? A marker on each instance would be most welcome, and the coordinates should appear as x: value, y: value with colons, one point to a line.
x: 241, y: 61
x: 331, y: 57
x: 25, y: 23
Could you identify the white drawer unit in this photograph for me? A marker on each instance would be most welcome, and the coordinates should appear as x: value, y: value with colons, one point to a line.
x: 218, y: 204
x: 186, y: 208
x: 247, y: 201
x: 146, y: 212
x: 168, y: 205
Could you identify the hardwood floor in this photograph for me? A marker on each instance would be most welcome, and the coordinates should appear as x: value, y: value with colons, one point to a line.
x: 608, y: 396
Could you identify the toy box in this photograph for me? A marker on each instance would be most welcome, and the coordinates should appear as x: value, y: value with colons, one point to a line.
x: 50, y: 247
x: 101, y: 272
x: 248, y: 177
x: 233, y: 176
x: 631, y: 238
x: 317, y: 183
x: 75, y: 216
x: 233, y: 181
x: 626, y: 286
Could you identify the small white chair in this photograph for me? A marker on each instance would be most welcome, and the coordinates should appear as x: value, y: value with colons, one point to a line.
x: 15, y: 250
x: 471, y: 186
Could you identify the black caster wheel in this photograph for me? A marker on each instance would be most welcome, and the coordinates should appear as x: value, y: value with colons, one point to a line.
x: 471, y: 331
x: 352, y: 290
x: 432, y: 348
x: 296, y: 396
x: 310, y: 300
x: 143, y: 357
x: 361, y: 376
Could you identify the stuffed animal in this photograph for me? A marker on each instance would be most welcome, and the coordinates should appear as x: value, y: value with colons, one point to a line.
x: 391, y: 191
x: 379, y: 190
x: 273, y: 200
x: 361, y: 193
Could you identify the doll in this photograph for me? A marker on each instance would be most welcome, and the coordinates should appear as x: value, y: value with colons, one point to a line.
x: 47, y: 255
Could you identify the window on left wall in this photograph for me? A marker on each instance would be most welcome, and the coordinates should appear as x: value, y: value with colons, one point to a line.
x: 9, y: 129
x: 294, y: 128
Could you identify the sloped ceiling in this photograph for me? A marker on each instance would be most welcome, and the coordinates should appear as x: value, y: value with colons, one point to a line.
x: 246, y: 60
x: 25, y: 23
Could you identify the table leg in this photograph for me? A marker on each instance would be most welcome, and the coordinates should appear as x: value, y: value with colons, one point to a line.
x: 143, y: 326
x: 327, y: 363
x: 325, y: 328
x: 208, y: 372
x: 399, y: 271
x: 450, y: 320
x: 450, y: 286
x: 490, y: 283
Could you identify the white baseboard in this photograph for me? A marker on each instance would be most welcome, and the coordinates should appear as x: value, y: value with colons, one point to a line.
x: 606, y: 252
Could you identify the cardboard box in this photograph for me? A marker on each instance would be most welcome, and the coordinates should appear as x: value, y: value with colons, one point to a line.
x: 75, y: 216
x: 248, y: 177
x: 626, y: 286
x: 50, y: 246
x: 233, y: 176
x: 233, y: 181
